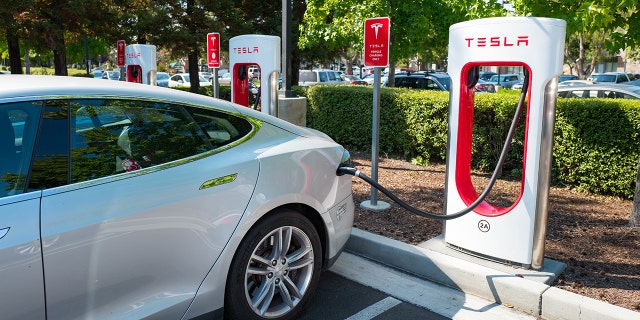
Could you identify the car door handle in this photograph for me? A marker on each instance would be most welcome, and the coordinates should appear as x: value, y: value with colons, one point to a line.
x: 4, y: 231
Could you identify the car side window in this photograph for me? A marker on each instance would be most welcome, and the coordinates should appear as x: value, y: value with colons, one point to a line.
x: 18, y: 125
x: 220, y: 129
x: 114, y: 136
x: 432, y: 85
x: 50, y: 166
x: 323, y: 76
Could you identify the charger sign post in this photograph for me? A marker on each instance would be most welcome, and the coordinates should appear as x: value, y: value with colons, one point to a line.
x: 376, y: 42
x: 120, y: 45
x: 376, y: 55
x: 213, y: 50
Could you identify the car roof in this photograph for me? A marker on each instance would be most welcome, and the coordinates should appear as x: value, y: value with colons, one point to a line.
x: 46, y: 86
x: 613, y: 87
x: 36, y: 87
x: 605, y: 86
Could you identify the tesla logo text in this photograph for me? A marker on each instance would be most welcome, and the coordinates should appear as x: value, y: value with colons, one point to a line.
x: 519, y: 41
x: 133, y: 55
x: 246, y: 50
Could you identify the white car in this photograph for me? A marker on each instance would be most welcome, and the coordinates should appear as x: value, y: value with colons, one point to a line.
x: 613, y: 91
x: 184, y: 80
x: 131, y: 201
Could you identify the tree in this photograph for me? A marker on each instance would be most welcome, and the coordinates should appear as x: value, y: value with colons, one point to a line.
x: 417, y: 27
x: 10, y: 25
x: 593, y: 27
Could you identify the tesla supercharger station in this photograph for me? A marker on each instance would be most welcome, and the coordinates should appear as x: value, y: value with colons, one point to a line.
x: 140, y: 63
x: 514, y: 234
x: 263, y: 51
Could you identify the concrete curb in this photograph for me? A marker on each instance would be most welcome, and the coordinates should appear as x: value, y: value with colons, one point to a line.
x: 526, y: 290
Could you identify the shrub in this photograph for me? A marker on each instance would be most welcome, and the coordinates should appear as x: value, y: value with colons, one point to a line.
x: 596, y: 141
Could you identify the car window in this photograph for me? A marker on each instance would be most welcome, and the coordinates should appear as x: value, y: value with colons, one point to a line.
x: 308, y: 77
x: 50, y: 166
x: 407, y: 82
x: 432, y: 85
x: 18, y: 126
x: 323, y: 76
x: 220, y: 129
x: 604, y: 78
x: 134, y: 135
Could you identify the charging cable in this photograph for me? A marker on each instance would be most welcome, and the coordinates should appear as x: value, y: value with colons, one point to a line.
x: 343, y: 169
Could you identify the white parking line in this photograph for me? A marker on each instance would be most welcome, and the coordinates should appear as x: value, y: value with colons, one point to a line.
x: 445, y: 301
x: 375, y: 309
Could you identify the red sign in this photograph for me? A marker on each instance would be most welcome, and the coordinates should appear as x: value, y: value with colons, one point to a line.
x: 121, y: 53
x: 376, y: 42
x: 213, y: 50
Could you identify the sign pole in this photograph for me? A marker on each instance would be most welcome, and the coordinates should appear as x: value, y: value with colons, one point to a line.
x: 376, y: 55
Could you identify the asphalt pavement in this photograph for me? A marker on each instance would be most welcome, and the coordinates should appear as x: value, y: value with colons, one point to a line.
x: 460, y: 286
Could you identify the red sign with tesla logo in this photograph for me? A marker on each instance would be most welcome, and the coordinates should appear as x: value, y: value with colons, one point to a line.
x: 120, y: 53
x: 376, y: 42
x: 213, y: 50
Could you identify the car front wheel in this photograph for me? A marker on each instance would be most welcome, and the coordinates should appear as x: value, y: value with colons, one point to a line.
x: 275, y: 270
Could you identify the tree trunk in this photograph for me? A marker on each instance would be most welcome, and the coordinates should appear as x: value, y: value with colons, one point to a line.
x: 59, y: 49
x: 14, y: 52
x: 634, y: 220
x: 194, y: 74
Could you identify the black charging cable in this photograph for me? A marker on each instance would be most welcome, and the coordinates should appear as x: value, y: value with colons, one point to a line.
x: 343, y: 169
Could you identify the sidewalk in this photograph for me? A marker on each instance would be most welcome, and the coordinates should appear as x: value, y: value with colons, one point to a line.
x: 527, y: 291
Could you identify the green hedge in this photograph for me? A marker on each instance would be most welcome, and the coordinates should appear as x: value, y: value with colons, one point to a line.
x: 596, y: 147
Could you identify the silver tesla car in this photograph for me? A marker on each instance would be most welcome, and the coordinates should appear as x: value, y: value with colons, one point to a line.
x: 129, y: 201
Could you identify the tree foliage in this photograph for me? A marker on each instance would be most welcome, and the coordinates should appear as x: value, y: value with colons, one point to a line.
x: 419, y: 28
x: 594, y: 28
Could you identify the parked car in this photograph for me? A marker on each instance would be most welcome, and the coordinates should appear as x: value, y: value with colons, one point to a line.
x: 575, y: 83
x: 183, y: 80
x: 129, y: 201
x: 505, y: 80
x: 162, y: 79
x: 431, y: 81
x: 518, y: 85
x: 369, y: 79
x: 206, y: 75
x: 615, y: 91
x: 354, y: 80
x: 611, y: 77
x: 486, y: 76
x: 485, y: 86
x: 566, y: 77
x: 97, y: 72
x: 224, y: 78
x: 111, y: 75
x: 311, y: 77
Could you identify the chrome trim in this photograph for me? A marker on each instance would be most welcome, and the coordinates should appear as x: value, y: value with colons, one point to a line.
x: 544, y: 173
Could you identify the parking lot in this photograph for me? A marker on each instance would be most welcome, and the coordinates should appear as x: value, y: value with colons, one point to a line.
x: 357, y: 288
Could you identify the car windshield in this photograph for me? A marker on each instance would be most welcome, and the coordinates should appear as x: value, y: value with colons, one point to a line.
x: 162, y: 76
x: 604, y: 78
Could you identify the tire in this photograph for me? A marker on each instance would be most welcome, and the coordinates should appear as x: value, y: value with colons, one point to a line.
x: 269, y: 281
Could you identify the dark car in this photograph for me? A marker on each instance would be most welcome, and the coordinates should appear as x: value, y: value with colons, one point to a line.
x: 486, y: 75
x: 430, y: 81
